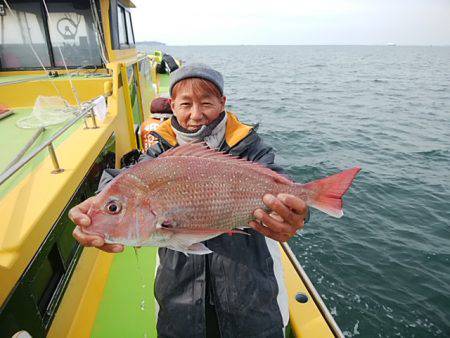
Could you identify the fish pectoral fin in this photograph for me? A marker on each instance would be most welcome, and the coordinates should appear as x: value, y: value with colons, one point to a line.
x: 198, y: 249
x: 195, y: 230
x: 195, y: 249
x: 238, y: 231
x: 190, y: 243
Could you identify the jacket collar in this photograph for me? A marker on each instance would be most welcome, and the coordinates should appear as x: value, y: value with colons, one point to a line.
x: 235, y: 131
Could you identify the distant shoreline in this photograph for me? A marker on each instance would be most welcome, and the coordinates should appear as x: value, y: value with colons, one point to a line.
x: 154, y: 43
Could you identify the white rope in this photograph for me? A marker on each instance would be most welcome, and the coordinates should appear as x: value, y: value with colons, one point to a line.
x: 99, y: 32
x: 74, y: 90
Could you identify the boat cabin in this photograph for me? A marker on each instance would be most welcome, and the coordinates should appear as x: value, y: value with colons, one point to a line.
x: 57, y: 34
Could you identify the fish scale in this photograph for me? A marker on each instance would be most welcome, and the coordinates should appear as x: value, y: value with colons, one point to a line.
x: 192, y: 193
x: 206, y: 193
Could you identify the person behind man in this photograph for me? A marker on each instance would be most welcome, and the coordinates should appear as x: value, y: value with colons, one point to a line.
x: 238, y: 289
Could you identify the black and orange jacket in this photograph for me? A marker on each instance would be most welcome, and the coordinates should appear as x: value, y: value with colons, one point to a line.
x: 236, y: 131
x: 238, y: 138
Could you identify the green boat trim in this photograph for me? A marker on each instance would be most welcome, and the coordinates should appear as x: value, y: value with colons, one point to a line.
x: 14, y: 79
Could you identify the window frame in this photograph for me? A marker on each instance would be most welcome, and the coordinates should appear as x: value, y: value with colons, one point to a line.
x: 121, y: 14
x: 46, y: 37
x: 126, y: 11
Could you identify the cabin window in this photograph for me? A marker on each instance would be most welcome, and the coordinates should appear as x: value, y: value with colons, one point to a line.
x: 70, y: 27
x: 20, y: 30
x: 129, y: 28
x: 125, y: 27
x: 72, y: 30
x: 122, y: 28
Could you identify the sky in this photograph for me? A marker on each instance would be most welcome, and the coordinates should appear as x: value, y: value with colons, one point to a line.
x: 293, y: 22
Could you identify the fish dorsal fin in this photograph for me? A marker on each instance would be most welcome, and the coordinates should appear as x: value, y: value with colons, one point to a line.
x: 201, y: 150
x: 194, y: 149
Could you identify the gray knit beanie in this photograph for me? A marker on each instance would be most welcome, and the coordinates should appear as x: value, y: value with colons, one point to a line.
x: 196, y: 70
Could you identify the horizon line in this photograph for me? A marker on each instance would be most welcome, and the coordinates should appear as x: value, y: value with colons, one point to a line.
x: 390, y: 44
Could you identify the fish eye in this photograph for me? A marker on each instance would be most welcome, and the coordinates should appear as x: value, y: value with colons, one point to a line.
x: 113, y: 207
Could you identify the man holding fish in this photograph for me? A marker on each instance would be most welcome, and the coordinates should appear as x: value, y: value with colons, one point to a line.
x: 188, y: 199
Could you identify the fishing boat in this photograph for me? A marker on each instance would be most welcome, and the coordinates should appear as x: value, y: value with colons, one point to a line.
x: 74, y: 93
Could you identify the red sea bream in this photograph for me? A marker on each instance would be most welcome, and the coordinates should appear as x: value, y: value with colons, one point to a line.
x: 191, y: 193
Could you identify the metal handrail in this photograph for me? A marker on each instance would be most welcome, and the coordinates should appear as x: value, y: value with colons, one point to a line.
x: 135, y: 59
x: 53, y: 78
x: 313, y: 292
x: 25, y: 147
x: 88, y: 109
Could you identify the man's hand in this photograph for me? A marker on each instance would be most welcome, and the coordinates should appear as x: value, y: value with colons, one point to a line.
x: 287, y: 216
x: 78, y: 215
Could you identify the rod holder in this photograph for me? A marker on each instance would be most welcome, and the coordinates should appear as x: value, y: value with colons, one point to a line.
x: 94, y: 120
x: 51, y: 150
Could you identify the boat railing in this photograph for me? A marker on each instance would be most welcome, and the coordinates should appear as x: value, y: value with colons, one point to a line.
x: 86, y: 112
x: 56, y: 75
x: 312, y: 291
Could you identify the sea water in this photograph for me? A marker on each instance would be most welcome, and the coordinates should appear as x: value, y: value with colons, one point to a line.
x: 384, y: 268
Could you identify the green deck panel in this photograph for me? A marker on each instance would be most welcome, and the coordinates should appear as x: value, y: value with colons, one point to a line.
x: 120, y: 313
x: 10, y: 78
x: 163, y: 83
x: 4, y: 79
x: 13, y: 139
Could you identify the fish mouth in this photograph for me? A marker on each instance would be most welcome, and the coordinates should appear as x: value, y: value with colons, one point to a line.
x: 107, y: 239
x: 91, y: 233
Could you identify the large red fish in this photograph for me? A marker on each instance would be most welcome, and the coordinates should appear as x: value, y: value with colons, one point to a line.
x: 192, y: 193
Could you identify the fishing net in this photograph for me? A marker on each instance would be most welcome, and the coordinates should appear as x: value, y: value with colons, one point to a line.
x: 48, y: 111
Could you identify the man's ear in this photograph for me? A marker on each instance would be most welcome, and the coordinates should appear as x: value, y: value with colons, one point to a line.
x: 224, y: 101
x: 172, y: 104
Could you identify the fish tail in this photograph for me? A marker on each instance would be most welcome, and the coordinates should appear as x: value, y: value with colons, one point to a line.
x: 326, y: 194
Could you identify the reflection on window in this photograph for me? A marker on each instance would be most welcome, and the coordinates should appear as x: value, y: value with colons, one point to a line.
x: 122, y: 28
x: 16, y: 34
x: 129, y: 29
x: 72, y: 29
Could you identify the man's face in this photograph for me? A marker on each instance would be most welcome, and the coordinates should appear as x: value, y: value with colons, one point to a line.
x: 193, y: 110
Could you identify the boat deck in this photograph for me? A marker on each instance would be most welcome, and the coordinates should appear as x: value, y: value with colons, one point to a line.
x: 19, y: 93
x: 128, y: 296
x: 123, y: 296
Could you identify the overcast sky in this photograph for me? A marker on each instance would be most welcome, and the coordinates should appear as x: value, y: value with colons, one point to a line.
x: 279, y: 22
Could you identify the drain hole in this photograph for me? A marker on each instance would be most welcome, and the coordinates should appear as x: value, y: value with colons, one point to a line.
x: 301, y: 297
